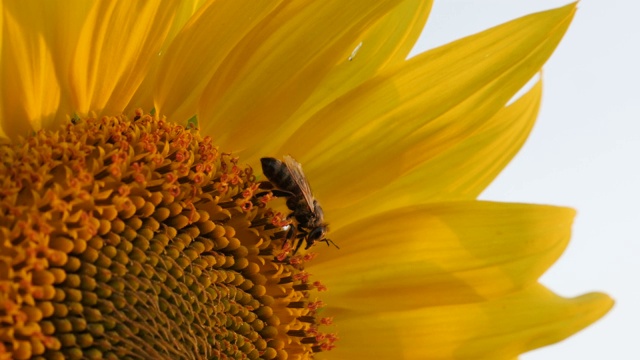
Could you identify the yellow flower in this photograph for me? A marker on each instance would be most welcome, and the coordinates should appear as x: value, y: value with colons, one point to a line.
x: 125, y: 238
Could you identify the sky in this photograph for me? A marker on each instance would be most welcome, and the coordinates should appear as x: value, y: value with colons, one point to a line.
x: 583, y: 153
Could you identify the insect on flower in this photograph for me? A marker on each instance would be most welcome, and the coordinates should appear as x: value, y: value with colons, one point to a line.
x: 291, y: 182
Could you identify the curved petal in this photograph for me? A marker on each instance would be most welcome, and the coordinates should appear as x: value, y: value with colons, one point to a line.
x: 399, y: 30
x: 114, y: 51
x: 143, y: 98
x: 441, y: 254
x: 59, y: 24
x: 468, y: 167
x: 388, y: 42
x: 272, y: 72
x: 30, y: 89
x: 196, y: 52
x: 499, y: 329
x: 3, y: 134
x: 448, y: 93
x: 464, y: 167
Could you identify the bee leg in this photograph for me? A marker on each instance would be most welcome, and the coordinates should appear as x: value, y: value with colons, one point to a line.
x: 265, y: 185
x: 300, y: 241
x: 290, y: 233
x: 293, y: 235
x: 281, y: 193
x: 288, y: 236
x: 301, y: 237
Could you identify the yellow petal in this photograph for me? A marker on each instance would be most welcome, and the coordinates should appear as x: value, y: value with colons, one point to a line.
x: 389, y: 41
x: 114, y: 51
x: 30, y: 90
x: 143, y: 98
x: 448, y: 92
x: 441, y: 254
x: 59, y: 24
x: 276, y: 67
x: 400, y: 30
x: 196, y: 53
x: 499, y: 329
x: 183, y: 14
x: 468, y: 167
x: 3, y: 134
x: 463, y: 168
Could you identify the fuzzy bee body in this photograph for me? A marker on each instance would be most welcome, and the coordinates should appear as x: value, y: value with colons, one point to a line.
x: 278, y: 173
x: 289, y: 178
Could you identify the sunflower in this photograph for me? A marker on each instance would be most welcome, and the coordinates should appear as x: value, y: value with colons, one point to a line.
x: 129, y: 233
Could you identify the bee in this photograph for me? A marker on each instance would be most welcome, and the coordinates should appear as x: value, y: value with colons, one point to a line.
x: 289, y: 178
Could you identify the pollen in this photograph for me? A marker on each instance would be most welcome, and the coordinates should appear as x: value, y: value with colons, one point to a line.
x: 139, y: 238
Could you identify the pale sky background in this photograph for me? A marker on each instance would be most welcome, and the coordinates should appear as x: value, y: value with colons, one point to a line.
x: 584, y: 152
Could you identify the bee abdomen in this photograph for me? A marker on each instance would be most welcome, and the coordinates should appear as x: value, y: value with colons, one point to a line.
x: 276, y: 171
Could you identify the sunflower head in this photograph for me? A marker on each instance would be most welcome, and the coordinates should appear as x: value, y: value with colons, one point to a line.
x: 137, y: 237
x: 123, y: 237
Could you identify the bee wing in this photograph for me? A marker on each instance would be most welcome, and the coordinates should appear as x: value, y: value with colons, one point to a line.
x: 298, y: 176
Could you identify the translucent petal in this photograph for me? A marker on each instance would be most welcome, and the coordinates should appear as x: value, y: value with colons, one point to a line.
x: 272, y: 72
x: 143, y: 98
x: 59, y: 24
x: 3, y: 133
x: 389, y: 41
x: 497, y: 329
x: 468, y: 167
x: 448, y: 92
x: 114, y: 52
x: 464, y: 166
x: 441, y: 254
x: 30, y: 90
x: 195, y: 54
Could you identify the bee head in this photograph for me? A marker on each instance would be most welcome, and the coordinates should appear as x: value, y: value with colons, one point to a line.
x: 318, y: 234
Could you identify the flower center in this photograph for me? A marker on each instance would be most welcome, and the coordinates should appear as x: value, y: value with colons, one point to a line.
x: 141, y: 239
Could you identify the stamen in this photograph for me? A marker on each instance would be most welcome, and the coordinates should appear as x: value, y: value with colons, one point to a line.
x: 140, y: 239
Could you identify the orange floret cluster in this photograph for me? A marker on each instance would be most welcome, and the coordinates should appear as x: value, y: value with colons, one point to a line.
x: 138, y: 238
